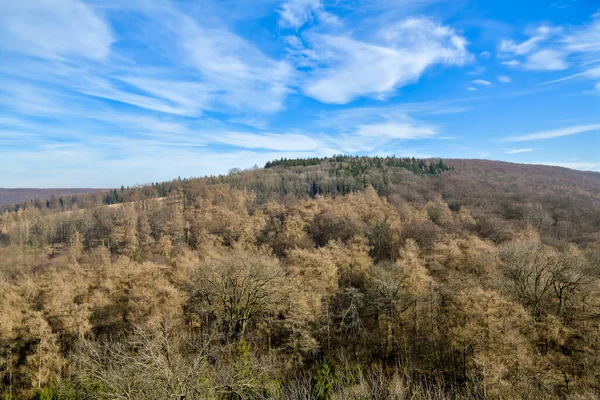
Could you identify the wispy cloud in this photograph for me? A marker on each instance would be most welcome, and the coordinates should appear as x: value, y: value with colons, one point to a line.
x: 573, y: 130
x: 241, y: 75
x: 397, y: 130
x: 504, y: 79
x: 481, y: 82
x: 536, y: 58
x: 270, y: 141
x: 557, y: 49
x: 369, y: 129
x: 546, y: 60
x: 296, y: 13
x: 537, y: 36
x: 352, y: 116
x: 196, y: 65
x: 583, y: 39
x: 592, y: 73
x: 517, y: 151
x: 395, y: 56
x: 54, y: 30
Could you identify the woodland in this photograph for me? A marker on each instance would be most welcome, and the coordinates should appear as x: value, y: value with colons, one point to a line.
x: 326, y: 278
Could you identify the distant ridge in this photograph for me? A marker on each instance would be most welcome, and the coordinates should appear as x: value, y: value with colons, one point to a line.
x: 20, y: 195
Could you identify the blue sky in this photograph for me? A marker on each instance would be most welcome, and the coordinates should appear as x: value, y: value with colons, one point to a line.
x: 100, y: 93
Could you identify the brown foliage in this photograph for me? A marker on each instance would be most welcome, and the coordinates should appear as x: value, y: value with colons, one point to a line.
x: 479, y: 283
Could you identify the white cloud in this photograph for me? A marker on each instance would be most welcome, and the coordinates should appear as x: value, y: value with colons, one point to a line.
x: 178, y: 104
x: 573, y: 130
x: 379, y: 129
x: 189, y: 96
x: 203, y: 65
x: 54, y: 29
x: 270, y: 141
x: 556, y: 49
x: 485, y: 54
x: 346, y: 68
x: 212, y: 69
x: 350, y: 117
x: 538, y: 35
x: 397, y: 130
x: 536, y: 57
x: 509, y: 46
x: 296, y: 13
x: 242, y: 76
x: 517, y: 151
x: 504, y: 79
x: 585, y: 39
x: 546, y: 60
x: 481, y: 82
x: 591, y: 73
x: 472, y: 89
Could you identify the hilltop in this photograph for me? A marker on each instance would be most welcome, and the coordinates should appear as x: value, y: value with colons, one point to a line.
x: 499, y: 193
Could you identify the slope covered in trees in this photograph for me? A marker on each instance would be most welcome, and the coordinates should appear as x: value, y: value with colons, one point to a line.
x: 347, y: 278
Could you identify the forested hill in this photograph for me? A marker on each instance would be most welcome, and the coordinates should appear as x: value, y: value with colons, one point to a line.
x: 501, y: 193
x: 334, y: 278
x: 334, y: 175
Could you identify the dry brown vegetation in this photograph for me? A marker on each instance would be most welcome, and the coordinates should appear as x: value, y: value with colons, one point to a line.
x: 479, y: 282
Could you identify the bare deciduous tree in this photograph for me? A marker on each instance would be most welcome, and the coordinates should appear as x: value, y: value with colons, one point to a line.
x: 237, y: 291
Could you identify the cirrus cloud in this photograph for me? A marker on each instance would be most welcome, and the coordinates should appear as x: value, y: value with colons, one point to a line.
x: 344, y: 68
x: 54, y: 29
x: 517, y: 151
x: 572, y: 130
x: 481, y: 82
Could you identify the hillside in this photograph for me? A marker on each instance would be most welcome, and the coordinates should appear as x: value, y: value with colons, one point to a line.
x: 15, y: 196
x: 336, y: 278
